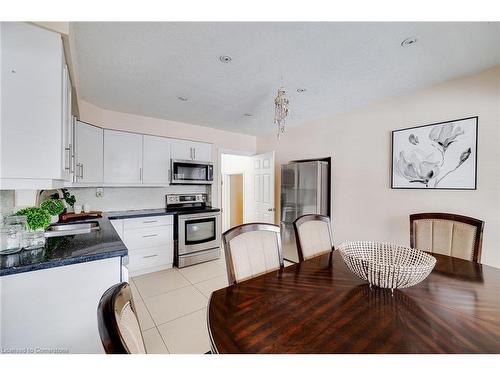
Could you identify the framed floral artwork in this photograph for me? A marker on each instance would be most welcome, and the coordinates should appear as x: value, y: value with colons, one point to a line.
x: 436, y: 156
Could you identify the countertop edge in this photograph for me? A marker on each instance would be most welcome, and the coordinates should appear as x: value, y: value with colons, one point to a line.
x: 106, y: 218
x: 63, y: 262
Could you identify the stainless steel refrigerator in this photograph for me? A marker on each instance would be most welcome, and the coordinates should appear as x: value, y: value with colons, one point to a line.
x: 304, y: 190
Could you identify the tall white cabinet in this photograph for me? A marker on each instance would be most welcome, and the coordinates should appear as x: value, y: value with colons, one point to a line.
x: 89, y: 148
x: 31, y: 102
x: 122, y: 157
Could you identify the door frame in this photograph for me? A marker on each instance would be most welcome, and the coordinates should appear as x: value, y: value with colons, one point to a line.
x: 225, y: 206
x: 218, y: 173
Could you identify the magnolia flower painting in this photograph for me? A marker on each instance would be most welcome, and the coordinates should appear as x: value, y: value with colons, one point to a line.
x: 436, y: 156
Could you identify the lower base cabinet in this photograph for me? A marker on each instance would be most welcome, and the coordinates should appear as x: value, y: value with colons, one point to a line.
x: 54, y: 310
x: 150, y: 243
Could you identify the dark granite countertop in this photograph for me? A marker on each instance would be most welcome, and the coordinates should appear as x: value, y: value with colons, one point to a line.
x: 66, y: 250
x: 79, y: 248
x: 114, y: 215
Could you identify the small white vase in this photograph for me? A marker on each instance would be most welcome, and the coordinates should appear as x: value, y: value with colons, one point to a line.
x: 54, y: 219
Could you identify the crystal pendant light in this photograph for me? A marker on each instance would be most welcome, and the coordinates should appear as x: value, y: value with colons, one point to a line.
x: 280, y: 111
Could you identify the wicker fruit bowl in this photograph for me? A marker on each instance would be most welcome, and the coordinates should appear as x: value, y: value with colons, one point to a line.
x: 386, y: 265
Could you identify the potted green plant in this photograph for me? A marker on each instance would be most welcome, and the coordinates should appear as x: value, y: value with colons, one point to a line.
x: 69, y: 199
x: 54, y: 207
x: 36, y: 218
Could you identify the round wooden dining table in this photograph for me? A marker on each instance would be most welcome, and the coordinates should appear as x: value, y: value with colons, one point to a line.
x: 319, y: 306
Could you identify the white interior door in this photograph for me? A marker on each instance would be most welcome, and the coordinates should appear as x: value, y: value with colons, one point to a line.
x: 263, y: 188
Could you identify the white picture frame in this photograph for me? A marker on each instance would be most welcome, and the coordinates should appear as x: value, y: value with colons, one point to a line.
x: 442, y: 155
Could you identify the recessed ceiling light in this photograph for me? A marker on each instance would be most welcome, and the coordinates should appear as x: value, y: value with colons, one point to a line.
x: 225, y: 59
x: 247, y: 114
x: 182, y: 98
x: 408, y: 41
x: 301, y: 90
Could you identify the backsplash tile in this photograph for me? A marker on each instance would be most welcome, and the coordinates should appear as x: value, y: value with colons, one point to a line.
x: 131, y: 198
x: 6, y: 201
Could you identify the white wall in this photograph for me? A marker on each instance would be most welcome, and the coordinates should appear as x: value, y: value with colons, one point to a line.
x: 154, y: 126
x: 363, y: 205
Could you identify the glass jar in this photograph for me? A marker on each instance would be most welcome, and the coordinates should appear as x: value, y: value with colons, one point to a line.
x: 11, y: 239
x: 22, y: 221
x: 34, y: 239
x: 17, y: 220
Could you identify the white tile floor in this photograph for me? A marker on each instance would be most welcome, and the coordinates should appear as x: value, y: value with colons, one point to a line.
x: 172, y: 306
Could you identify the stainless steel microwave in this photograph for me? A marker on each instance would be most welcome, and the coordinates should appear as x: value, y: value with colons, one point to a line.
x: 184, y: 172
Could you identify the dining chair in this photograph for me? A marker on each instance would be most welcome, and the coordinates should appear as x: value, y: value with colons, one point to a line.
x: 117, y: 322
x: 448, y: 234
x: 252, y: 250
x: 314, y: 236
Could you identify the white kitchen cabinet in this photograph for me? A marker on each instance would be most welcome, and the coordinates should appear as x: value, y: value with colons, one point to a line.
x: 181, y: 149
x: 118, y: 225
x: 156, y: 160
x: 122, y: 157
x: 31, y: 102
x: 88, y: 153
x: 56, y: 308
x: 147, y: 222
x: 202, y: 151
x: 149, y: 241
x: 189, y: 150
x: 67, y: 128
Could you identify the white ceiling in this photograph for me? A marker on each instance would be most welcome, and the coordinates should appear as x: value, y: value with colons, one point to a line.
x: 142, y: 68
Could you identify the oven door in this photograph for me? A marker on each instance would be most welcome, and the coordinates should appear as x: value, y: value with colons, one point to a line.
x: 199, y: 232
x: 191, y: 172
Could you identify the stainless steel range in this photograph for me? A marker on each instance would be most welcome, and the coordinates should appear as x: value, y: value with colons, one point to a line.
x: 197, y: 229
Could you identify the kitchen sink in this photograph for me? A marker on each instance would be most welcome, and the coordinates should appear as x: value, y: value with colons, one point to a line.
x: 59, y: 230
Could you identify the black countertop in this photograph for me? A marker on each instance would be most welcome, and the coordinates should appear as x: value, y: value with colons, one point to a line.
x: 114, y: 215
x: 79, y: 248
x: 65, y: 250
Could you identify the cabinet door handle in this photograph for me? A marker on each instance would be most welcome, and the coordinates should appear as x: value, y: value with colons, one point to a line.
x: 67, y: 161
x: 78, y: 170
x: 140, y: 174
x: 149, y: 235
x: 150, y: 256
x: 81, y: 166
x: 194, y: 153
x: 150, y: 221
x: 71, y: 159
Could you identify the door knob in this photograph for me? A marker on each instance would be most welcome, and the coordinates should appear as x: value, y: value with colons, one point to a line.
x: 271, y: 209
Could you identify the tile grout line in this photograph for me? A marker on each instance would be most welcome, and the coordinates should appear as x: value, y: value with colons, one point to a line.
x: 162, y: 339
x: 183, y: 316
x: 159, y: 334
x: 171, y: 320
x: 156, y: 325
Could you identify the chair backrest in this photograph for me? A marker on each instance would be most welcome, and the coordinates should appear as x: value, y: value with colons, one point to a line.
x: 117, y: 322
x: 448, y: 234
x: 313, y: 234
x: 252, y: 250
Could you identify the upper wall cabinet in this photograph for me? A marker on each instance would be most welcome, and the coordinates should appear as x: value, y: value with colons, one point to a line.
x: 31, y: 101
x: 88, y: 154
x: 188, y: 150
x: 122, y: 157
x: 156, y: 160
